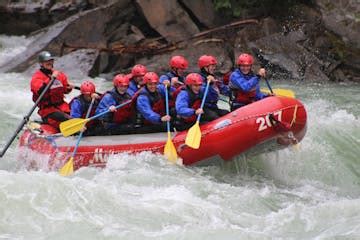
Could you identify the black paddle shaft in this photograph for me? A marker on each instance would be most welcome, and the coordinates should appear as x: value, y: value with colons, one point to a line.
x: 26, y: 118
x: 78, y: 88
x: 268, y: 84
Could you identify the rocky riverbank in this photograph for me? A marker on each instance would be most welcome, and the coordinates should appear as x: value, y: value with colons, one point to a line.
x: 317, y: 41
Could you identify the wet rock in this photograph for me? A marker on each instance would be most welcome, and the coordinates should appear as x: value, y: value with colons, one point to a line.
x: 168, y: 18
x: 203, y: 10
x: 284, y: 52
x: 18, y: 17
x: 84, y: 29
x: 160, y: 63
x: 342, y: 17
x: 252, y: 32
x: 338, y: 76
x: 76, y: 65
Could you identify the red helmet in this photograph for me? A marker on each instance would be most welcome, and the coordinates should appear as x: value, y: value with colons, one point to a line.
x: 151, y: 77
x: 178, y: 62
x: 206, y: 60
x: 193, y: 79
x: 87, y: 87
x: 138, y: 70
x: 121, y: 80
x: 245, y: 59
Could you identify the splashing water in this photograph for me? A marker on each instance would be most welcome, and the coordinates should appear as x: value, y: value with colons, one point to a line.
x: 307, y: 193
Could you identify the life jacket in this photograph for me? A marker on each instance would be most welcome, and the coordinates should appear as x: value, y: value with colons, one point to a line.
x: 194, y: 103
x: 178, y: 88
x: 157, y: 104
x: 84, y: 108
x: 124, y: 113
x: 85, y: 105
x: 226, y: 77
x: 53, y: 100
x: 241, y: 97
x: 177, y: 91
x: 55, y: 95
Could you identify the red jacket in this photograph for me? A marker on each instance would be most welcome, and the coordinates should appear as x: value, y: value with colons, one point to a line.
x: 53, y: 100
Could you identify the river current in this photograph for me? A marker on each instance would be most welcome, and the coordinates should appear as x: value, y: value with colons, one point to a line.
x: 309, y: 192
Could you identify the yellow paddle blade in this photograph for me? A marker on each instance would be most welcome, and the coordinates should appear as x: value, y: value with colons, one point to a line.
x: 71, y: 126
x: 281, y: 92
x: 68, y: 168
x: 193, y: 136
x: 170, y: 151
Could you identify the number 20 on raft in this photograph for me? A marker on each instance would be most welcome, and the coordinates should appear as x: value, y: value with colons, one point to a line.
x: 264, y: 121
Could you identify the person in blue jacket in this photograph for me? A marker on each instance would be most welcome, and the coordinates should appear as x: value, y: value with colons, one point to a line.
x: 244, y: 84
x: 150, y: 105
x: 136, y: 78
x: 117, y: 121
x: 80, y: 104
x: 207, y: 65
x: 178, y: 65
x: 188, y: 103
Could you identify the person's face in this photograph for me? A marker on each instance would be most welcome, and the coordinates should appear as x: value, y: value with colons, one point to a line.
x: 245, y: 69
x: 196, y: 88
x: 139, y: 79
x: 122, y: 88
x: 151, y: 86
x: 48, y: 64
x: 180, y: 71
x: 87, y: 97
x: 211, y: 68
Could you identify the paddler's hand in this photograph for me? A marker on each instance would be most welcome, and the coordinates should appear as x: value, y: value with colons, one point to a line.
x: 175, y: 81
x: 70, y: 86
x: 95, y: 96
x: 211, y: 79
x: 55, y: 74
x: 199, y: 111
x: 83, y: 129
x: 165, y: 118
x: 166, y: 83
x: 262, y: 72
x: 112, y: 108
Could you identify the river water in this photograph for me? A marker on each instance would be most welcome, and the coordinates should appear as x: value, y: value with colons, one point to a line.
x: 309, y: 192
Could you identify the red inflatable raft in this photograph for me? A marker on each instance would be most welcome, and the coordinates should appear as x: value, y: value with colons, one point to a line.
x: 267, y: 125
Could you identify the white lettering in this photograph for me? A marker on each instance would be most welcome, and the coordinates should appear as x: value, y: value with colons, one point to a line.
x: 264, y: 121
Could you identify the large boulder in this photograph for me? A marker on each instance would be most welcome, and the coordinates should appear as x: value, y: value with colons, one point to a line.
x: 23, y: 17
x: 85, y: 30
x: 203, y: 10
x: 160, y: 63
x: 168, y: 18
x: 77, y: 64
x: 342, y: 17
x: 285, y: 54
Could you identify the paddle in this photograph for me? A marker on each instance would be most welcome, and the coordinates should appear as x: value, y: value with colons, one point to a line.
x: 193, y: 136
x: 68, y: 168
x: 78, y: 88
x: 268, y: 84
x: 27, y: 116
x: 169, y: 149
x: 279, y: 91
x: 74, y: 125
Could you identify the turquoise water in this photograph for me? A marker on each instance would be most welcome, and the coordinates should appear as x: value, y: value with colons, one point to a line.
x: 307, y: 193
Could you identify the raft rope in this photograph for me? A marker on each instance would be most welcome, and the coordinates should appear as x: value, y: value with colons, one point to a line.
x: 294, y: 116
